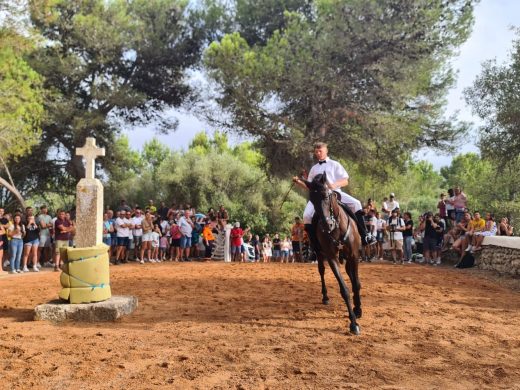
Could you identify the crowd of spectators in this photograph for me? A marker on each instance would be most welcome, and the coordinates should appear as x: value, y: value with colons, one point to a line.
x: 179, y: 233
x: 150, y: 234
x: 452, y: 227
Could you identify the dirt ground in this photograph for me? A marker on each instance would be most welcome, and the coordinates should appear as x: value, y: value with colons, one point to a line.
x: 259, y: 326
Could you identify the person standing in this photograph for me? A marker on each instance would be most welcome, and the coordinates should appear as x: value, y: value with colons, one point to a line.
x: 137, y: 233
x: 44, y: 222
x: 408, y: 237
x: 208, y: 240
x: 31, y: 241
x: 277, y: 247
x: 146, y: 248
x: 176, y: 235
x: 236, y: 242
x: 297, y: 238
x: 459, y: 202
x: 123, y: 226
x: 195, y: 237
x: 16, y: 232
x: 337, y: 177
x: 186, y: 229
x: 267, y: 249
x: 62, y: 232
x: 4, y: 242
x: 380, y: 235
x: 395, y: 227
x: 392, y: 204
x: 108, y: 228
x: 441, y: 206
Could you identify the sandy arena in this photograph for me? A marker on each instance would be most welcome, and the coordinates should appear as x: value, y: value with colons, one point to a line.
x: 260, y: 326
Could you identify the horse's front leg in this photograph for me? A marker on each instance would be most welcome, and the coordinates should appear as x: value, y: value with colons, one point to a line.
x: 351, y: 267
x: 354, y: 327
x: 321, y: 269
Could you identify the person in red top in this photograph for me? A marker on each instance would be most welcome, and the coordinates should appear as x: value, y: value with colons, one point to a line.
x: 62, y: 228
x: 236, y: 242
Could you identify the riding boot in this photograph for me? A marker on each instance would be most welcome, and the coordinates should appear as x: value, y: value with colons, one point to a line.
x: 365, y: 238
x: 313, y: 238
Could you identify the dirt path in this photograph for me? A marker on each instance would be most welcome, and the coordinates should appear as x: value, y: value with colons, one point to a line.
x: 259, y: 326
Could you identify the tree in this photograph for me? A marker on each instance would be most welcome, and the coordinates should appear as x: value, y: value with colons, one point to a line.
x: 367, y: 76
x: 21, y: 106
x: 105, y: 63
x: 494, y: 98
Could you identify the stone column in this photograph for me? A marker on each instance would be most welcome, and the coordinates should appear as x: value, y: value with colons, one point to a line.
x: 89, y: 213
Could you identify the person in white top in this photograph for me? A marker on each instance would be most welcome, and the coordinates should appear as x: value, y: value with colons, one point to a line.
x: 392, y: 204
x: 123, y: 226
x: 337, y: 178
x: 137, y: 231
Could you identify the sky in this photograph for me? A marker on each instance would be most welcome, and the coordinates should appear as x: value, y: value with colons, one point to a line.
x: 491, y: 38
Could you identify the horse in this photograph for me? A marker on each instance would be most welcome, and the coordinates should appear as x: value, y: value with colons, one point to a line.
x: 339, y: 239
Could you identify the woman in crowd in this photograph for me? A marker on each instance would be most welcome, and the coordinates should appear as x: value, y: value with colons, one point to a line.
x: 108, y: 229
x: 156, y: 238
x: 460, y: 244
x: 267, y: 249
x: 31, y: 242
x: 285, y: 244
x: 380, y: 235
x: 489, y: 230
x: 146, y: 247
x: 505, y: 229
x: 16, y: 232
x: 175, y: 233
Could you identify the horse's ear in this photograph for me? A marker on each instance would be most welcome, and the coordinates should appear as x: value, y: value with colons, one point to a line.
x: 324, y: 178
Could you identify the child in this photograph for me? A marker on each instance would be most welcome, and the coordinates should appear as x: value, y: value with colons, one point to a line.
x: 156, y: 236
x: 163, y: 248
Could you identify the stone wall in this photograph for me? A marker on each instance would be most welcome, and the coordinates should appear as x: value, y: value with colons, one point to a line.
x: 501, y: 254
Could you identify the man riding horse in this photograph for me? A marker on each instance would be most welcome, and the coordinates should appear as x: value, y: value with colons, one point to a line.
x: 337, y: 178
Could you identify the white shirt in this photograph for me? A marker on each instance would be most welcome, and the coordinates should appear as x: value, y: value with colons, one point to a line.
x: 165, y: 228
x: 185, y: 227
x: 155, y: 239
x: 398, y: 222
x: 122, y: 231
x: 372, y: 222
x: 381, y: 224
x: 333, y: 169
x: 449, y: 205
x: 137, y: 221
x: 392, y: 205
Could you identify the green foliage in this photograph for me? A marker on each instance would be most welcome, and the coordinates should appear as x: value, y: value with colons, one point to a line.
x: 21, y: 97
x: 494, y: 98
x: 367, y: 76
x: 105, y: 63
x: 209, y: 174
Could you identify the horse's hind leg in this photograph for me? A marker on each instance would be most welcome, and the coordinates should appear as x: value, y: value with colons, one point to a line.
x: 321, y: 269
x: 354, y: 327
x: 351, y: 267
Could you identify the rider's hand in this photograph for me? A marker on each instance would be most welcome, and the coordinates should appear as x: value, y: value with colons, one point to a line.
x: 296, y: 179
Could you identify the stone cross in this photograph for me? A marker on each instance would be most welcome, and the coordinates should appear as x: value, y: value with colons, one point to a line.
x: 89, y: 200
x: 89, y: 152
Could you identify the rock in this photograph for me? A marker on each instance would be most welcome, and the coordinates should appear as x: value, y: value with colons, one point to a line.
x: 110, y: 310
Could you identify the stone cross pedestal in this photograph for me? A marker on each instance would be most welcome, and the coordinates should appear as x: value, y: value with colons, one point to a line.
x: 89, y: 199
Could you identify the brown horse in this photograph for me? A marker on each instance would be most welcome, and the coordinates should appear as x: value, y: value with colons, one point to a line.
x: 338, y: 239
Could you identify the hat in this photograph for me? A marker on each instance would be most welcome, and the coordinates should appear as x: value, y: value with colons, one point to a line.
x: 392, y: 195
x: 237, y: 224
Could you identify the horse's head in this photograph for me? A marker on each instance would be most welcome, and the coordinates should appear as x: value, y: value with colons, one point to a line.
x: 318, y: 190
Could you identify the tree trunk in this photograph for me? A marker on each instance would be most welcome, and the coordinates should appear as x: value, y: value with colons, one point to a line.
x: 13, y: 190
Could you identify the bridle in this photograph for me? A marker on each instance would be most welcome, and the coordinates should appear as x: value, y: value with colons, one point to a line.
x: 331, y: 222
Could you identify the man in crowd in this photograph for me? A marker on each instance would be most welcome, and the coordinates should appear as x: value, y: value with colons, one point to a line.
x: 123, y: 206
x: 123, y: 226
x: 44, y: 222
x: 392, y: 204
x: 62, y: 232
x: 163, y: 211
x: 297, y: 238
x: 395, y: 227
x: 151, y: 206
x: 236, y: 242
x: 186, y: 228
x: 137, y: 232
x: 222, y: 216
x: 476, y: 225
x: 337, y: 177
x: 277, y: 247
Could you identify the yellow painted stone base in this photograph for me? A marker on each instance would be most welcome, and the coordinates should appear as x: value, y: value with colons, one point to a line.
x: 85, y: 277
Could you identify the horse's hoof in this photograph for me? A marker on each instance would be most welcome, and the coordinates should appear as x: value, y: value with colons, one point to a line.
x: 358, y: 312
x: 354, y: 329
x: 325, y: 301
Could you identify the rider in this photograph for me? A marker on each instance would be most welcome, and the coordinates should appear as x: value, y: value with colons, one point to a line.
x: 337, y: 177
